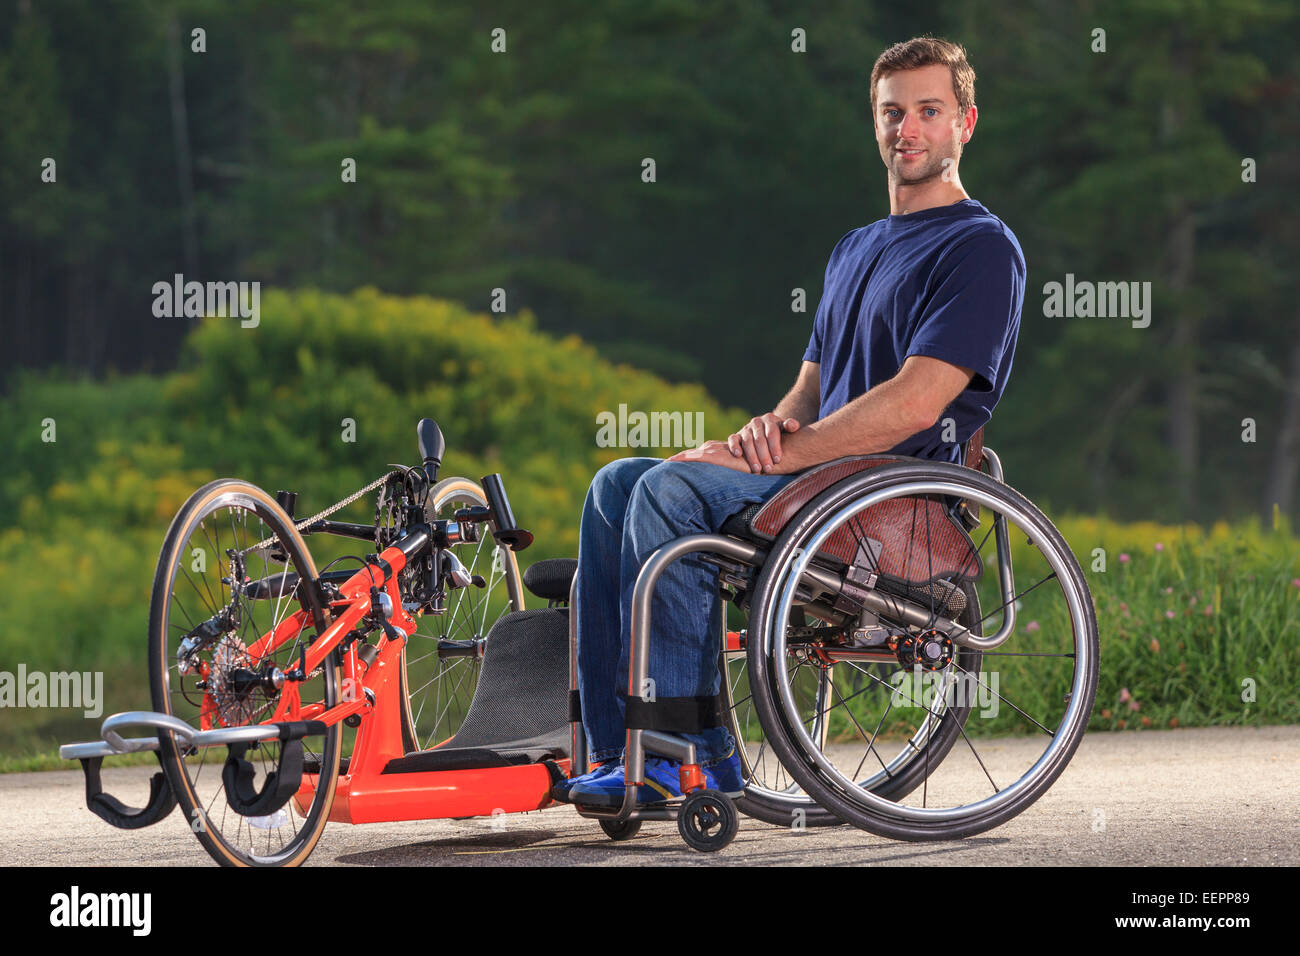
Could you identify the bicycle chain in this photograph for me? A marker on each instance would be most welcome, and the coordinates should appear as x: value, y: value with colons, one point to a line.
x: 308, y: 522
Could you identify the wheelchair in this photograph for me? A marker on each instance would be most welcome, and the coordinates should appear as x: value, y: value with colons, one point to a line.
x: 863, y: 688
x: 865, y: 716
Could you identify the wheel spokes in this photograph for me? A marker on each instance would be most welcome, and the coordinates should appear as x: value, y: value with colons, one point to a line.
x: 1008, y: 716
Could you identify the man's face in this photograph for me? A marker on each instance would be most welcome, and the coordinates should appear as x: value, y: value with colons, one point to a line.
x: 918, y: 124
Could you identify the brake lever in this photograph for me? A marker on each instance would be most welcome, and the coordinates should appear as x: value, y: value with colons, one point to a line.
x: 376, y: 608
x: 456, y: 572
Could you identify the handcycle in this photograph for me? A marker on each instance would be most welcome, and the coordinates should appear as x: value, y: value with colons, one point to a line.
x: 416, y: 685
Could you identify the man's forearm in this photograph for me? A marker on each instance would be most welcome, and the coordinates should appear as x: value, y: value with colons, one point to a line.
x: 802, y: 406
x: 870, y: 424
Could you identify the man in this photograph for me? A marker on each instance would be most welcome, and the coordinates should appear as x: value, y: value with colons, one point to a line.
x: 917, y: 323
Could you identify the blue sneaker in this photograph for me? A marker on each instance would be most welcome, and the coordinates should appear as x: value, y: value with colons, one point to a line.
x: 727, y: 776
x: 662, y: 783
x: 562, y: 789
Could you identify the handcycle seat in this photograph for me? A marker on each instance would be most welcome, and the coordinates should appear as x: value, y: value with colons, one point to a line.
x: 520, y: 710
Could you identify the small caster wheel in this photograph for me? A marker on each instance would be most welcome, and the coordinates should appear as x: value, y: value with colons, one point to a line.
x: 707, y: 820
x: 620, y: 829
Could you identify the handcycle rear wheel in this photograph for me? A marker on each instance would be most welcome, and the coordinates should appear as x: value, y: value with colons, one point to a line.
x: 219, y: 685
x: 1050, y: 659
x: 442, y: 660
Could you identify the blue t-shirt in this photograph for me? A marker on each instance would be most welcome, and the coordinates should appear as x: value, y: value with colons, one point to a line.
x: 946, y: 282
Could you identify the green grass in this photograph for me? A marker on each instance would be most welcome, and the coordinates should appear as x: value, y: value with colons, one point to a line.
x: 82, y: 519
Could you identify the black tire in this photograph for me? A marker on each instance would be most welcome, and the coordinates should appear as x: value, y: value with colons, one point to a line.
x: 708, y: 821
x: 621, y: 829
x: 201, y: 525
x: 854, y: 804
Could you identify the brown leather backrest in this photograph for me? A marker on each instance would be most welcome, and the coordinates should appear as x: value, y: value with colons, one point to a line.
x: 975, y: 449
x: 895, y: 522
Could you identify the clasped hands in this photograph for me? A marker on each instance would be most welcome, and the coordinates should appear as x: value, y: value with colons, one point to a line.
x: 755, y: 449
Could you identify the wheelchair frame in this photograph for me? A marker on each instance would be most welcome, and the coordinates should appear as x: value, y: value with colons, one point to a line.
x: 641, y: 741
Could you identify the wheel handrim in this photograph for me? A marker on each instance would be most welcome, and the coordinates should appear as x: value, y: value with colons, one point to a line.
x: 1070, y: 723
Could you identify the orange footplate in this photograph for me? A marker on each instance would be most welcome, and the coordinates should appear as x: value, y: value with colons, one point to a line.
x: 376, y: 798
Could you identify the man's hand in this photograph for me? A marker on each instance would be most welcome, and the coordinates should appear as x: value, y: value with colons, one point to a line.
x: 712, y: 453
x: 759, y: 442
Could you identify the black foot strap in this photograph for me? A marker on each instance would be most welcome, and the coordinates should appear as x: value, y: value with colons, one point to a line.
x: 281, y: 783
x: 112, y: 810
x: 683, y: 715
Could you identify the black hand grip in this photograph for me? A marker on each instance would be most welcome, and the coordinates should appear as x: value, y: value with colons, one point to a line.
x: 498, y: 503
x: 506, y: 531
x: 432, y: 446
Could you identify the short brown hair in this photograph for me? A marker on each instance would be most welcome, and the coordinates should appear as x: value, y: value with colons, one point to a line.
x: 928, y: 51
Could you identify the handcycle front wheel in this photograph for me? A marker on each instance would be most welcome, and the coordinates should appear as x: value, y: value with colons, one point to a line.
x: 206, y: 558
x: 442, y: 659
x: 1033, y: 698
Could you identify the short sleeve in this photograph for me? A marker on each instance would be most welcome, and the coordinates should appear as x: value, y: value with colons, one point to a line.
x: 972, y: 315
x: 814, y: 351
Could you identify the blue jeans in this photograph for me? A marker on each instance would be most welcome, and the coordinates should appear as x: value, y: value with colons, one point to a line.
x: 634, y: 506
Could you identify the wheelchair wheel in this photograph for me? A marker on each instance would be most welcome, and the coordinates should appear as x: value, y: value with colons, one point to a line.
x: 707, y: 821
x: 621, y: 829
x: 926, y: 741
x: 771, y: 793
x: 441, y: 661
x: 224, y: 682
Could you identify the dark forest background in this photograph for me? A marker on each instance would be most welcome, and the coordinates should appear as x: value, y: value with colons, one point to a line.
x: 522, y: 170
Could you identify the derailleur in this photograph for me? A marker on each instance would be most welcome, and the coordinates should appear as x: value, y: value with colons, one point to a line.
x: 226, y: 621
